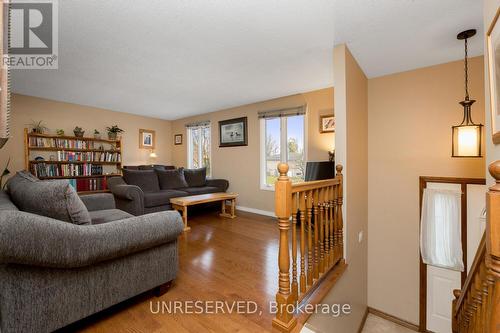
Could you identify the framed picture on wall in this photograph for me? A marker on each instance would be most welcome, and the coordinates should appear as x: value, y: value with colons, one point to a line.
x: 233, y: 132
x: 178, y: 139
x: 493, y: 49
x: 327, y: 124
x: 147, y: 139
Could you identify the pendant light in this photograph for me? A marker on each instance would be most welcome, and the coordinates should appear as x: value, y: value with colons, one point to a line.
x: 466, y: 137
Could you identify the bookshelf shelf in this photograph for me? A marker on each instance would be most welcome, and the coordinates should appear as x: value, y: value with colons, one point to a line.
x: 80, y: 177
x: 76, y: 162
x: 66, y: 137
x: 72, y: 146
x: 74, y: 149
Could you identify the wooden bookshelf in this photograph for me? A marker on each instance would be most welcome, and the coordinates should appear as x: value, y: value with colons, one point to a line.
x: 54, y: 143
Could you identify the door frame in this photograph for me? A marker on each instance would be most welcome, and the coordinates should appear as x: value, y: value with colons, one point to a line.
x: 423, y: 180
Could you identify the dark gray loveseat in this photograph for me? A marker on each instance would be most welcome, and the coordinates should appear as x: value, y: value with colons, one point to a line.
x: 54, y: 272
x: 141, y: 192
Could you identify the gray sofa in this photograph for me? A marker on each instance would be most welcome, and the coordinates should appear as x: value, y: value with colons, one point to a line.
x: 141, y: 192
x: 53, y: 273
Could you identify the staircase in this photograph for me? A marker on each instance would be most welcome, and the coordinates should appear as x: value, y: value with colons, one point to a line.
x: 476, y: 308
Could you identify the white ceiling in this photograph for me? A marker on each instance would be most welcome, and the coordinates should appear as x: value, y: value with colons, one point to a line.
x: 171, y: 59
x: 391, y: 36
x: 176, y: 58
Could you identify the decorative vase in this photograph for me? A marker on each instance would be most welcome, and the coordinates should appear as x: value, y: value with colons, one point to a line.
x: 112, y: 135
x: 79, y: 134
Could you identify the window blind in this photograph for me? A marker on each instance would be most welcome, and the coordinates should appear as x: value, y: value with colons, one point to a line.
x: 288, y: 112
x: 198, y: 124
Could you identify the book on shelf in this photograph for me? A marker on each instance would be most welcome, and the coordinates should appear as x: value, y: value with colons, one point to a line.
x: 69, y: 156
x: 89, y: 184
x: 41, y: 142
x: 41, y: 170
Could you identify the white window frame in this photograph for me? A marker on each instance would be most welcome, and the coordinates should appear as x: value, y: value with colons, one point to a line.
x: 190, y: 148
x: 284, y: 152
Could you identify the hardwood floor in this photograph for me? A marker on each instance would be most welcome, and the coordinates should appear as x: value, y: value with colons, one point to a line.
x: 220, y: 260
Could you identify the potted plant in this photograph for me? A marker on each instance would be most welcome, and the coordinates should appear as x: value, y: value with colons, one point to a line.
x: 113, y: 132
x: 60, y: 132
x: 97, y: 134
x: 38, y: 127
x: 78, y: 132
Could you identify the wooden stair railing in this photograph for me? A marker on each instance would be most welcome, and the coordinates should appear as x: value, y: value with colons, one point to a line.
x: 476, y: 307
x: 313, y: 212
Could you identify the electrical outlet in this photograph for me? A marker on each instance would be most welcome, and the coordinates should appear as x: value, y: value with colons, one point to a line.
x: 360, y: 236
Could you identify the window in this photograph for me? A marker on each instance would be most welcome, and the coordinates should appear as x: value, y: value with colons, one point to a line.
x: 199, y: 140
x: 282, y: 140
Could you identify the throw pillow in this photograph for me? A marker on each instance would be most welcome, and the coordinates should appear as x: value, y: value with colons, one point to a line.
x: 52, y: 198
x: 196, y: 177
x: 171, y: 179
x: 147, y: 180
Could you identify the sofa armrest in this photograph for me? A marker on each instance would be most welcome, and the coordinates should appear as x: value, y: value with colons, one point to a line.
x: 129, y: 192
x: 99, y: 201
x: 222, y: 184
x: 129, y: 198
x: 36, y: 240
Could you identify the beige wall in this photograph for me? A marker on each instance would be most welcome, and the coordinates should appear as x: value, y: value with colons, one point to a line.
x: 351, y: 105
x: 66, y: 116
x: 410, y: 119
x: 492, y: 151
x: 241, y: 165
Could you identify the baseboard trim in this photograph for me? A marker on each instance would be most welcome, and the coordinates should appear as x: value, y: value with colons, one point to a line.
x: 395, y: 320
x: 255, y: 211
x: 363, y: 321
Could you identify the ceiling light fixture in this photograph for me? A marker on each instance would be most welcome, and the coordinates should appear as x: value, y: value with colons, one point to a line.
x: 466, y: 137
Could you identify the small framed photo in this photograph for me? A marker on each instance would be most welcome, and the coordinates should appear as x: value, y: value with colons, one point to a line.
x: 178, y: 139
x: 233, y: 132
x: 147, y: 139
x: 493, y: 53
x: 327, y: 124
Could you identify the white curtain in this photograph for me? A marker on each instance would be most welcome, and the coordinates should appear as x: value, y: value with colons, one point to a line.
x: 440, y: 229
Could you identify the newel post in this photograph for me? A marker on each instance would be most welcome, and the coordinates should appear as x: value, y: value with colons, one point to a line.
x: 283, y: 207
x: 493, y: 247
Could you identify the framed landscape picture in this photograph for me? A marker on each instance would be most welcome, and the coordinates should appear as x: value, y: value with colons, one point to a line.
x: 327, y: 124
x: 233, y: 132
x: 147, y: 139
x: 493, y: 49
x: 178, y: 139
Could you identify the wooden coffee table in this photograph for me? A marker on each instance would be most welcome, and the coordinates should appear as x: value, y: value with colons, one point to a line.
x: 182, y: 204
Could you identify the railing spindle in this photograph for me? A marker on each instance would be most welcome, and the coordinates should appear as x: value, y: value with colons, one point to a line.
x: 327, y: 227
x: 333, y: 246
x: 340, y: 231
x: 309, y: 240
x: 316, y: 234
x: 295, y: 288
x: 302, y: 208
x: 321, y: 220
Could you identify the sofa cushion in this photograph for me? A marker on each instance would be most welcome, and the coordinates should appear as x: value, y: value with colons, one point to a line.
x: 52, y: 198
x: 196, y: 177
x: 147, y: 180
x: 161, y: 198
x: 108, y: 215
x: 201, y: 190
x: 171, y: 179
